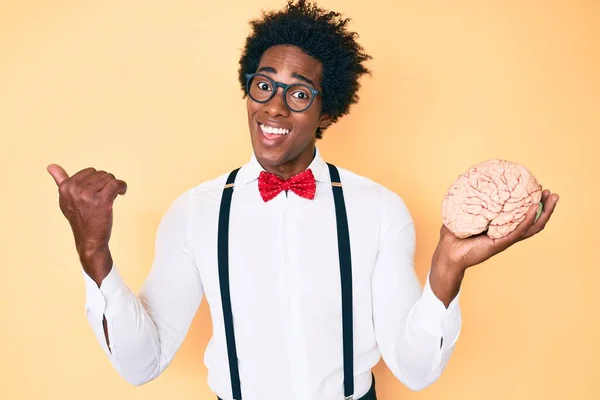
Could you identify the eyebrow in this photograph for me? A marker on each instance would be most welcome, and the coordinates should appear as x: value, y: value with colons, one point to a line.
x: 294, y: 75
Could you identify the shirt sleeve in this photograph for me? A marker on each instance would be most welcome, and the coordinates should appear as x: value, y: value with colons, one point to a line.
x: 146, y: 330
x: 415, y: 332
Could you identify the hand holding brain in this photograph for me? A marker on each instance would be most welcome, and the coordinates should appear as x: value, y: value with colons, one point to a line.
x: 491, y: 197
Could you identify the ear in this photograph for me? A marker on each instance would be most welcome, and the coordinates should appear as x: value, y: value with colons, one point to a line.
x: 324, y: 121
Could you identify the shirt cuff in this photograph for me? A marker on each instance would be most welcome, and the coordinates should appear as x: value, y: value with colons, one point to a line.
x: 107, y: 299
x: 432, y: 316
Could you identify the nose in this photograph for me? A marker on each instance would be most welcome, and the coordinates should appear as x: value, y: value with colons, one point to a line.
x: 276, y: 106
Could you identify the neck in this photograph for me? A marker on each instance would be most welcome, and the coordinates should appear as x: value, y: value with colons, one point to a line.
x: 292, y: 167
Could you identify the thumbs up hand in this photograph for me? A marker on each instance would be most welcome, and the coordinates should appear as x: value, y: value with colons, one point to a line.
x: 86, y: 200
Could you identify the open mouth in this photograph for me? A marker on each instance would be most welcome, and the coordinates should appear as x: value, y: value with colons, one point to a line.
x: 273, y: 132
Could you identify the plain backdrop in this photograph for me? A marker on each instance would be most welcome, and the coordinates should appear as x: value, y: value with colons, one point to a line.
x: 148, y: 90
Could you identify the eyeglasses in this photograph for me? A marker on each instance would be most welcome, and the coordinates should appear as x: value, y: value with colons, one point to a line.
x: 297, y: 97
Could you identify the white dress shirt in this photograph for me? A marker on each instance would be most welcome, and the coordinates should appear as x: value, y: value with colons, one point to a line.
x: 285, y: 292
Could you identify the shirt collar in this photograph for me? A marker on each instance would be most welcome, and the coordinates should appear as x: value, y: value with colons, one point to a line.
x: 252, y: 169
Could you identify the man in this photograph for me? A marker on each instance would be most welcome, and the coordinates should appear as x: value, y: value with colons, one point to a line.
x: 307, y: 268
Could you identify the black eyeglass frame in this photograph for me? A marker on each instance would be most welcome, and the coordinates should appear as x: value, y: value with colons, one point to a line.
x: 276, y: 85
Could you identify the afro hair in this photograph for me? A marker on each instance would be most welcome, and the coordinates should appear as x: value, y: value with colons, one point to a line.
x: 322, y: 35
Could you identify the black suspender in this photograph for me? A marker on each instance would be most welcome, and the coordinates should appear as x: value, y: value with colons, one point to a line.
x: 345, y: 275
x: 223, y: 258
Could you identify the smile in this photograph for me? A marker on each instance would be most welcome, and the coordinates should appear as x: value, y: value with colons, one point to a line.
x: 272, y: 130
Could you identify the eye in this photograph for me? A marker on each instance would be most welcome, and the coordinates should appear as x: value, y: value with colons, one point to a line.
x: 263, y: 85
x: 300, y: 95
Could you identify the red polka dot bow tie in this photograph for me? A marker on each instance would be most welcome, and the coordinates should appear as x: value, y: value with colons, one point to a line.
x: 303, y: 184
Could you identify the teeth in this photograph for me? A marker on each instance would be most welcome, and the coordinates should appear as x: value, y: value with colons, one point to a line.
x: 274, y: 131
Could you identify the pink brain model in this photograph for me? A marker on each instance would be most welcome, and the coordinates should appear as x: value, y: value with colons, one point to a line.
x: 493, y: 196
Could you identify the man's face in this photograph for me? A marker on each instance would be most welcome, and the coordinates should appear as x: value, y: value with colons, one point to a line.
x: 290, y: 65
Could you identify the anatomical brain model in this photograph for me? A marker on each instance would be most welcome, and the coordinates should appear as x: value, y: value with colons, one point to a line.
x: 491, y: 197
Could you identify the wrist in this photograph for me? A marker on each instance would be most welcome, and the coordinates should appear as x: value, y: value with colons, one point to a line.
x: 96, y: 262
x: 90, y: 249
x: 445, y: 265
x: 445, y: 277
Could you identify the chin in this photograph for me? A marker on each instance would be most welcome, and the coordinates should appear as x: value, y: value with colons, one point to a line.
x: 271, y: 153
x: 270, y: 157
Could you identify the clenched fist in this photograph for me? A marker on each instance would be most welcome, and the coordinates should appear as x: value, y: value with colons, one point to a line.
x: 86, y: 200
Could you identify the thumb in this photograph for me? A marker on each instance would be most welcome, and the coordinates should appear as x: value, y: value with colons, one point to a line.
x: 524, y: 225
x: 517, y: 235
x: 58, y: 173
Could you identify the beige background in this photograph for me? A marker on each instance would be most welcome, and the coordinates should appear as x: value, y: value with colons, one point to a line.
x: 148, y: 90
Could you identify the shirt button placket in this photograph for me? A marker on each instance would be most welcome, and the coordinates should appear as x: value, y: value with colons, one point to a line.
x: 296, y: 341
x: 287, y: 285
